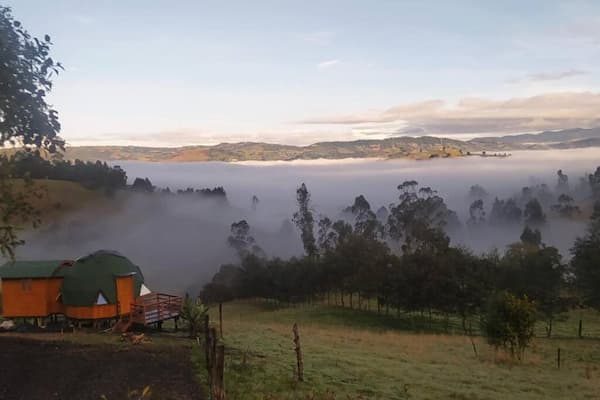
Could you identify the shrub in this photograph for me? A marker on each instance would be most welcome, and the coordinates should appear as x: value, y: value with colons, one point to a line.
x: 509, y: 323
x: 193, y: 312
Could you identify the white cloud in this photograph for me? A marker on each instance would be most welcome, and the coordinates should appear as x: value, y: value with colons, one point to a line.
x: 549, y: 76
x: 550, y: 111
x: 328, y: 64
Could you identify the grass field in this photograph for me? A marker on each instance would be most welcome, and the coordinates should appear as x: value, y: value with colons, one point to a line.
x: 362, y: 355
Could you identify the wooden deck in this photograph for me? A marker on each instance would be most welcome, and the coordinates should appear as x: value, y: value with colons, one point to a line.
x: 154, y: 308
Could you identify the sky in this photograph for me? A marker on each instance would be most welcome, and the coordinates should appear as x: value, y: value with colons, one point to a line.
x: 172, y: 73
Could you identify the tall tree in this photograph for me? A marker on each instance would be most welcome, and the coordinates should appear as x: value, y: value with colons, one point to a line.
x: 562, y: 184
x: 417, y: 222
x: 26, y: 119
x: 534, y: 213
x: 241, y: 240
x: 304, y: 220
x: 586, y: 261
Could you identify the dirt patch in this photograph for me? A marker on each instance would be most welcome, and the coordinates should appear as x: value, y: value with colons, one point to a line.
x: 38, y: 369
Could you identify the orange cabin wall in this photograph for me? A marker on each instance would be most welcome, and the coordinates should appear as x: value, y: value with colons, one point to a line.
x: 31, y: 297
x: 38, y: 298
x: 91, y: 312
x: 125, y: 293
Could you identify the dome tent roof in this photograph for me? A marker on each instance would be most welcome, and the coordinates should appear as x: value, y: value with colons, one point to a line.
x: 96, y: 273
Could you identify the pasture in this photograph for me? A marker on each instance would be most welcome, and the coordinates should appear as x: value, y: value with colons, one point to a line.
x: 359, y: 354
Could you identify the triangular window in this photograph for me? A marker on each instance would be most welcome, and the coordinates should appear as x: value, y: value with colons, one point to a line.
x: 101, y: 300
x: 144, y: 290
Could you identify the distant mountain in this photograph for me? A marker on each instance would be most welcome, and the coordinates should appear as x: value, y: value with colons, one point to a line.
x: 423, y: 147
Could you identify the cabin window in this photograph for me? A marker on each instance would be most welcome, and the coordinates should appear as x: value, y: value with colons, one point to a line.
x: 101, y: 300
x: 26, y: 285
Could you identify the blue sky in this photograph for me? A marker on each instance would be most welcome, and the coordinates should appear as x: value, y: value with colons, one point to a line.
x: 169, y: 73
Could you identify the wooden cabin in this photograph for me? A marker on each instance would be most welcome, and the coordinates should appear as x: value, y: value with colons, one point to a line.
x: 102, y: 285
x: 32, y: 288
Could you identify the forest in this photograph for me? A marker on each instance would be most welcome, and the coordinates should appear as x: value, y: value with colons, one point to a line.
x: 400, y: 259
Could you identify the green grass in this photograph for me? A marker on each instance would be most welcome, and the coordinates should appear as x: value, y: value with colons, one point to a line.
x: 363, y: 355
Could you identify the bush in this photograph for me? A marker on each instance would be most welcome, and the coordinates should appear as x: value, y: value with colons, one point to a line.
x: 509, y: 323
x: 193, y: 312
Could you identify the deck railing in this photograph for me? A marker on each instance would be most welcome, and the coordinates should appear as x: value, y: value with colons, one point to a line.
x: 155, y: 307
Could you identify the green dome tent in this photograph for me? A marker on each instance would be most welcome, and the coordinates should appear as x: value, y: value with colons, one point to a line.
x: 92, y: 278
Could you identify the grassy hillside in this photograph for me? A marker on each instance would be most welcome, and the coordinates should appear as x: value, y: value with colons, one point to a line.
x: 362, y: 355
x: 62, y: 197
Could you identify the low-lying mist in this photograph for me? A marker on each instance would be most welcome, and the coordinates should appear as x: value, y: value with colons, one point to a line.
x: 180, y: 241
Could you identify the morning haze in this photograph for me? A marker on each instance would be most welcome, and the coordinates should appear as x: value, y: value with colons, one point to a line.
x: 299, y: 200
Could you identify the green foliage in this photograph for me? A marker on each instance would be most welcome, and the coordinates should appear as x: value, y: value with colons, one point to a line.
x: 586, y: 261
x: 26, y: 71
x: 16, y: 207
x: 304, y: 220
x: 192, y: 313
x: 26, y: 120
x: 92, y: 175
x: 417, y: 221
x: 509, y: 323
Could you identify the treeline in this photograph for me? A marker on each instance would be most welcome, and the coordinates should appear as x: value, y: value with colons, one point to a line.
x: 402, y: 259
x: 93, y: 175
x: 146, y: 186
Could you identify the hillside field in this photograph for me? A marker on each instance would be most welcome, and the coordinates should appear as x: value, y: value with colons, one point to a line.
x: 358, y: 354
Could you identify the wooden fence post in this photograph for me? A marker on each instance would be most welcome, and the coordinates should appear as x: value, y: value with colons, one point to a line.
x: 299, y: 360
x: 207, y: 340
x: 558, y: 357
x: 580, y: 331
x: 218, y: 371
x: 221, y: 319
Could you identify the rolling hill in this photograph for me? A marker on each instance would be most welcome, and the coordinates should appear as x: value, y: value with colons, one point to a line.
x: 423, y: 147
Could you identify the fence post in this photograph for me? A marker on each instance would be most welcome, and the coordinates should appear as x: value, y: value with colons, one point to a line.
x: 580, y: 331
x: 558, y: 357
x: 207, y: 340
x: 221, y: 319
x: 218, y: 388
x: 299, y: 360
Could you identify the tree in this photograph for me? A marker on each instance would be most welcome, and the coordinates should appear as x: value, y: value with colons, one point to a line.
x: 192, y: 313
x: 509, y: 323
x: 241, y: 240
x: 142, y: 185
x: 476, y: 214
x: 562, y: 184
x: 365, y: 220
x: 534, y: 213
x: 565, y: 206
x: 505, y: 212
x: 594, y: 181
x: 586, y: 261
x: 417, y: 221
x: 26, y: 73
x: 532, y: 237
x: 26, y: 119
x: 304, y: 220
x: 255, y: 202
x: 477, y: 192
x: 535, y: 270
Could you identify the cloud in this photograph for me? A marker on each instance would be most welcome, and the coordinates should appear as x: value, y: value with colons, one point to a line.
x: 550, y: 111
x: 549, y: 76
x: 327, y: 64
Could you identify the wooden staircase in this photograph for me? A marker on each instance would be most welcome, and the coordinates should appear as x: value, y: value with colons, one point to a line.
x: 123, y: 324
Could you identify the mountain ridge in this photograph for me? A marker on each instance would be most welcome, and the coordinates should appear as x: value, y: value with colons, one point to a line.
x: 423, y: 147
